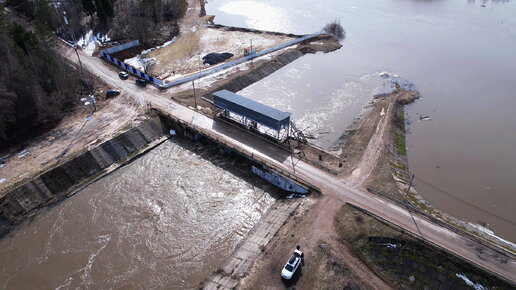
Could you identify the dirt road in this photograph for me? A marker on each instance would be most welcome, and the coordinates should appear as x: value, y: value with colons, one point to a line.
x: 331, y: 185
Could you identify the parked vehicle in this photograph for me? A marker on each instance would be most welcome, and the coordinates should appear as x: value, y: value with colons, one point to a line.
x: 123, y: 75
x: 293, y: 263
x: 112, y: 93
x: 141, y: 82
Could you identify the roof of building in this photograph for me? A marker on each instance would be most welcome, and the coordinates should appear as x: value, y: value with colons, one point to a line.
x: 253, y: 110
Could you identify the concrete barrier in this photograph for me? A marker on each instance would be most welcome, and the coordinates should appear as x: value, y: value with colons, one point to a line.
x: 63, y: 180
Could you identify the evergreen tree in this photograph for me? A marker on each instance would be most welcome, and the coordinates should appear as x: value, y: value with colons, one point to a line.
x: 88, y: 7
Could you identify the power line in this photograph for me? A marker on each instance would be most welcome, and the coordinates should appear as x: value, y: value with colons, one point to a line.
x: 406, y: 206
x: 64, y: 26
x: 464, y: 201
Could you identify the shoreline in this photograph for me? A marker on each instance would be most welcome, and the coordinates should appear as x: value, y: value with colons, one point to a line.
x: 391, y: 163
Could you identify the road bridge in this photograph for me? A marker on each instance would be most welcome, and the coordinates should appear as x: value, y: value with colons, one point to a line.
x: 489, y: 258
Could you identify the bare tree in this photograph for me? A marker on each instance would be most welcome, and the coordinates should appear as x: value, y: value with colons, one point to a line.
x: 334, y: 28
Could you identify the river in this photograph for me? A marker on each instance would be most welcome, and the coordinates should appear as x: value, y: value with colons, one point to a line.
x: 460, y: 55
x: 167, y: 220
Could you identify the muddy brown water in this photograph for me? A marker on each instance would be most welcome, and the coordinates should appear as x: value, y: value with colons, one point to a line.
x: 166, y: 220
x: 171, y: 217
x: 459, y: 54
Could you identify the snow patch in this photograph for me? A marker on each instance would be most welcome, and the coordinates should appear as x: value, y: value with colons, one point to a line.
x: 90, y: 41
x: 491, y: 233
x: 158, y: 47
x: 477, y: 286
x: 138, y: 62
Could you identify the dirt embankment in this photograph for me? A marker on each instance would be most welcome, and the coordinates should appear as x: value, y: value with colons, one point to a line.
x: 346, y: 248
x: 328, y: 264
x: 405, y: 262
x: 374, y: 157
x: 373, y: 149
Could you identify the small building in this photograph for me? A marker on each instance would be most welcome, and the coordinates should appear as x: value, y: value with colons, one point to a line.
x: 253, y: 115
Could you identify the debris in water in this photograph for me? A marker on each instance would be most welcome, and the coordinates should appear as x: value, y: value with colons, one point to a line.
x: 424, y: 118
x: 172, y: 132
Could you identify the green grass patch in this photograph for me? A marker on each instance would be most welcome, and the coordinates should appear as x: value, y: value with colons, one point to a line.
x: 399, y: 143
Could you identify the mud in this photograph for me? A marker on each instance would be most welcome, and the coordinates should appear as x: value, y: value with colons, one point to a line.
x: 405, y: 262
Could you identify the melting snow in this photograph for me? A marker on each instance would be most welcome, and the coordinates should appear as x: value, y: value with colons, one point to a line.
x: 477, y: 286
x: 158, y: 47
x: 90, y: 41
x: 137, y: 62
x: 492, y: 234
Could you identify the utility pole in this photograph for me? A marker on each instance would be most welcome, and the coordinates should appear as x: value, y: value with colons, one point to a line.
x: 193, y: 85
x: 85, y: 77
x: 406, y: 206
x: 195, y: 99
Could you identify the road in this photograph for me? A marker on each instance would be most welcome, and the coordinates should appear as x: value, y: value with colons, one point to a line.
x: 342, y: 189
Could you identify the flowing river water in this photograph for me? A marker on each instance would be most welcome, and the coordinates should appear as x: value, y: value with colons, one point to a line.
x: 167, y: 220
x: 172, y: 216
x: 460, y: 55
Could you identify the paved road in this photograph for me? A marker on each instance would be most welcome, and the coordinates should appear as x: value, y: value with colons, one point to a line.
x: 492, y: 260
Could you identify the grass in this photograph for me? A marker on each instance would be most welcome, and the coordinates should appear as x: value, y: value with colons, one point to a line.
x: 399, y: 143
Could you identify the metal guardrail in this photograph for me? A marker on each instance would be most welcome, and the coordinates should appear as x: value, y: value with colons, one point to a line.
x: 239, y: 61
x: 442, y: 223
x: 120, y: 47
x: 243, y: 152
x: 106, y: 55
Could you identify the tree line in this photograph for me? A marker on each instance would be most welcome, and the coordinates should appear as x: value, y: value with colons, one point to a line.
x: 37, y: 86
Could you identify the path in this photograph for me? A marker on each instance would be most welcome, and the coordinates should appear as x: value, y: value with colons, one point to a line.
x: 329, y: 184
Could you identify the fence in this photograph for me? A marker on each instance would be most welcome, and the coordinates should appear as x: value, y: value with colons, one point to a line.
x: 240, y: 60
x: 106, y: 55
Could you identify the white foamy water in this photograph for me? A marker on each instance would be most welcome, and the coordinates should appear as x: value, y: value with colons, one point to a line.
x: 166, y: 220
x: 459, y: 54
x: 322, y: 114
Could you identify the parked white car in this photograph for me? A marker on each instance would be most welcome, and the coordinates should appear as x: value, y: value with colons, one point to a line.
x: 291, y: 266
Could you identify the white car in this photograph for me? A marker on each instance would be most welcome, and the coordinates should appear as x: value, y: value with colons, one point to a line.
x: 291, y: 266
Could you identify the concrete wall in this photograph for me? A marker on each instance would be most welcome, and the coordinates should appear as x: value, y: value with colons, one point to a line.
x: 57, y: 183
x: 258, y: 73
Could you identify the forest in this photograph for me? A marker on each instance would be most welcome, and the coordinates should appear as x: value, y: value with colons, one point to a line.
x: 37, y: 86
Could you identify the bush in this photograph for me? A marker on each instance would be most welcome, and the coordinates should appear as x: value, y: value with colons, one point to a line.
x: 334, y: 28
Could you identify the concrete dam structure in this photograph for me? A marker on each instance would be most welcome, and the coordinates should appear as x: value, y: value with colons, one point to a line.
x: 63, y: 180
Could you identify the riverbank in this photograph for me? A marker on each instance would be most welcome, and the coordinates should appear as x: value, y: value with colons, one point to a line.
x: 366, y: 159
x: 346, y: 247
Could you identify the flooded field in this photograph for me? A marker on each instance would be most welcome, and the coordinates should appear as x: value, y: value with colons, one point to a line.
x: 166, y: 220
x: 458, y: 54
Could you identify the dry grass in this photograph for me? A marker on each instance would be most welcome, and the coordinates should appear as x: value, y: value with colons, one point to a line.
x: 182, y: 56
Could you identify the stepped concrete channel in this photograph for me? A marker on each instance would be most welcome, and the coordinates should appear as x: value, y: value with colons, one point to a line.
x: 70, y: 176
x: 243, y: 257
x: 74, y: 174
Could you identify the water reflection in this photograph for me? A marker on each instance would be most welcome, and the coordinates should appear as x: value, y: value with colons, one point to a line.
x: 461, y: 58
x: 166, y: 220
